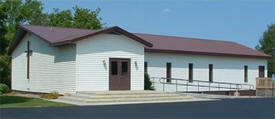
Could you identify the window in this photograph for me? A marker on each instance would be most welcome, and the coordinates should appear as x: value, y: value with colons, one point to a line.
x: 124, y: 68
x: 245, y: 73
x: 114, y: 67
x: 210, y: 72
x: 145, y: 67
x: 261, y: 71
x: 190, y: 77
x: 168, y: 72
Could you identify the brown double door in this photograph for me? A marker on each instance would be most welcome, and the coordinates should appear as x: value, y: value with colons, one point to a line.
x: 119, y: 74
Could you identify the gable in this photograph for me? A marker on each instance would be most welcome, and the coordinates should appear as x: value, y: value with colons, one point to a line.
x: 58, y: 36
x: 109, y: 43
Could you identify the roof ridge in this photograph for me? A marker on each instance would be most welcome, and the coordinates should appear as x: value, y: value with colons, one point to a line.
x: 63, y: 27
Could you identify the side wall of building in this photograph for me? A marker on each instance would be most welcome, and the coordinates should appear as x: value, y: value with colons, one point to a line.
x: 51, y: 68
x: 225, y: 69
x: 93, y: 75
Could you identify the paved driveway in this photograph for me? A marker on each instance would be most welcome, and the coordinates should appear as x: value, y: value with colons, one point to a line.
x: 225, y: 109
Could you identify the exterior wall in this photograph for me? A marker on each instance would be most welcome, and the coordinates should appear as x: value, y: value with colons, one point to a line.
x: 93, y: 75
x: 80, y: 67
x: 51, y: 68
x: 225, y: 69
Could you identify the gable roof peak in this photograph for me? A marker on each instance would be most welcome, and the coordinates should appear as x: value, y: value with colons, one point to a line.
x: 61, y: 35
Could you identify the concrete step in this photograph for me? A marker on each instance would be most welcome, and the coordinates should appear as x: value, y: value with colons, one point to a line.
x: 118, y: 92
x: 70, y: 98
x: 124, y: 95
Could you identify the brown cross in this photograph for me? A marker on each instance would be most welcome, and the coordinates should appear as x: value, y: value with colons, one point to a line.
x: 28, y: 51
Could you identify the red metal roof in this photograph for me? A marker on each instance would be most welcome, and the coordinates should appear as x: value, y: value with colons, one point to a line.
x: 156, y: 43
x: 173, y: 44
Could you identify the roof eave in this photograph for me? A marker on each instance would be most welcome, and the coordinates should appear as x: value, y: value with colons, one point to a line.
x: 205, y: 53
x: 18, y: 35
x: 21, y: 31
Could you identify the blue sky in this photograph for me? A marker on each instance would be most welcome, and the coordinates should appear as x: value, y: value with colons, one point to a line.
x: 241, y: 21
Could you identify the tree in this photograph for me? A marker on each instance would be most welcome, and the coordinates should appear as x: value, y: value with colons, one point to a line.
x: 13, y: 13
x: 82, y: 18
x: 3, y: 30
x: 147, y: 82
x: 4, y: 60
x: 16, y: 12
x: 266, y: 43
x: 85, y: 18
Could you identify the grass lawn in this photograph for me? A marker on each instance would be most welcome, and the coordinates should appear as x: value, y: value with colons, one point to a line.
x: 18, y: 101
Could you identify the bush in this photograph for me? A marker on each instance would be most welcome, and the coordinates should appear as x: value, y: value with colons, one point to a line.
x: 4, y: 88
x: 53, y: 95
x: 147, y: 82
x: 12, y: 93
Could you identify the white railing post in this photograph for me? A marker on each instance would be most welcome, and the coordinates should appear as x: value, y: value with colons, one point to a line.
x: 163, y: 84
x: 153, y: 81
x: 176, y: 85
x: 209, y: 86
x: 198, y: 86
x: 186, y: 86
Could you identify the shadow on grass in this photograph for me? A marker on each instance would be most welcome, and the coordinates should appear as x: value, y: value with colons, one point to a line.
x: 13, y: 99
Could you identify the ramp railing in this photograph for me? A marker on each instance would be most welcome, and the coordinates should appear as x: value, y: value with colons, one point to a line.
x: 198, y: 84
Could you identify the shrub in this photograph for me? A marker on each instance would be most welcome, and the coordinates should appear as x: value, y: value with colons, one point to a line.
x: 147, y: 82
x: 53, y: 95
x: 4, y: 88
x: 12, y: 93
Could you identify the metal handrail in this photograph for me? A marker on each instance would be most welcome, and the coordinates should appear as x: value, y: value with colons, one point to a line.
x: 187, y: 83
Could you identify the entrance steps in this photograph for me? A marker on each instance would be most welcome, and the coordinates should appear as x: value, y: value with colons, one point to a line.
x: 123, y: 96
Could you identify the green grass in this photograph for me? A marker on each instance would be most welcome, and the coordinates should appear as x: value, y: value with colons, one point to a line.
x: 18, y: 101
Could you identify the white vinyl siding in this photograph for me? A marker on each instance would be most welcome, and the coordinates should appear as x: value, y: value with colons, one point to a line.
x: 51, y: 68
x: 225, y: 69
x: 93, y: 75
x: 80, y: 67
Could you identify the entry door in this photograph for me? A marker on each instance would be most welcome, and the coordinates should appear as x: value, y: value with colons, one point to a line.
x: 261, y: 71
x: 119, y: 74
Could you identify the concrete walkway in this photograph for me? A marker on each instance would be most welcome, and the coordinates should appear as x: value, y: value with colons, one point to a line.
x: 139, y: 97
x: 135, y: 102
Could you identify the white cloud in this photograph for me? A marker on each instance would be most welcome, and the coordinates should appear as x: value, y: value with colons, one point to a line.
x: 166, y: 10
